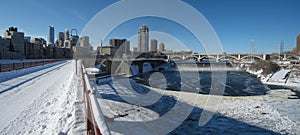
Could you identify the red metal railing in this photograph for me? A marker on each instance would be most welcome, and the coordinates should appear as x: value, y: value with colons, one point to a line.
x: 5, y: 67
x: 90, y: 107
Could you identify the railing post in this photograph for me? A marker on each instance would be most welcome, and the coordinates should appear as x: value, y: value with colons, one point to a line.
x: 76, y: 66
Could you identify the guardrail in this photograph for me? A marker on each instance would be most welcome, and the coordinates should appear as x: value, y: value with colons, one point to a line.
x: 5, y: 67
x: 96, y: 124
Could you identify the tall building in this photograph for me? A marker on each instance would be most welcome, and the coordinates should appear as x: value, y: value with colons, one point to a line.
x: 74, y: 40
x: 298, y: 44
x: 127, y: 47
x: 60, y: 36
x: 162, y: 47
x: 60, y: 39
x: 122, y: 45
x: 143, y: 39
x: 38, y: 47
x: 51, y: 35
x: 67, y: 34
x: 27, y: 38
x: 67, y: 42
x: 16, y: 38
x: 117, y: 42
x: 84, y: 49
x: 5, y: 48
x: 84, y: 41
x: 153, y: 45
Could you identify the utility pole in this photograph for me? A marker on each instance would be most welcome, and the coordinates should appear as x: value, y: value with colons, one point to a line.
x: 252, y: 50
x: 100, y: 51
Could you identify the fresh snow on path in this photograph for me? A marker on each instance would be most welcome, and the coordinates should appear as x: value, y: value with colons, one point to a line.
x: 48, y: 101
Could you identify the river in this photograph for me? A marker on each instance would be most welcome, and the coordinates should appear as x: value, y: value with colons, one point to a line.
x: 238, y: 83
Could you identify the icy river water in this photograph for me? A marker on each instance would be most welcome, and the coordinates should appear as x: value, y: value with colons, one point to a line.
x: 238, y: 83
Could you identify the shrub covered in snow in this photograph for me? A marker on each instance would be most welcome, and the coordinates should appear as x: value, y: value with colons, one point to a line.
x: 267, y: 67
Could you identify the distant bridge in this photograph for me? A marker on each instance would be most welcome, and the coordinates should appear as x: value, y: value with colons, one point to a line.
x: 235, y: 57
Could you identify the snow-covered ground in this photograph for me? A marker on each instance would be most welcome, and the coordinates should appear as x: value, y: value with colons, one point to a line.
x: 285, y: 78
x: 280, y: 76
x: 274, y: 113
x: 42, y: 100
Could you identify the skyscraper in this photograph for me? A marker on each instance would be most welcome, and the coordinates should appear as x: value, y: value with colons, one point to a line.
x: 161, y: 47
x: 127, y: 47
x: 67, y: 42
x: 60, y: 39
x: 51, y: 35
x: 61, y: 36
x: 117, y: 42
x: 153, y: 45
x: 67, y: 34
x: 143, y: 39
x: 298, y: 44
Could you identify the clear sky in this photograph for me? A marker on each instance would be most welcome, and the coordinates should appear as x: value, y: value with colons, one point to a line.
x: 236, y: 22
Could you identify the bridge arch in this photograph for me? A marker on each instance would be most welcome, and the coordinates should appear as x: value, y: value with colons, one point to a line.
x: 176, y: 58
x: 251, y: 56
x: 208, y: 57
x: 191, y: 58
x: 230, y: 57
x: 292, y: 57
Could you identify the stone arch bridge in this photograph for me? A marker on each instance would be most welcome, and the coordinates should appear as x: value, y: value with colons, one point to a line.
x: 235, y: 57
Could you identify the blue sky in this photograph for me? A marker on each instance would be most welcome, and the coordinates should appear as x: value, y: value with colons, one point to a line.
x: 236, y: 22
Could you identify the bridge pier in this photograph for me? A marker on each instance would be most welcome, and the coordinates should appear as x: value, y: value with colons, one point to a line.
x: 264, y: 57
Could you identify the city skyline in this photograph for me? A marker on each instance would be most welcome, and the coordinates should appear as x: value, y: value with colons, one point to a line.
x: 236, y: 23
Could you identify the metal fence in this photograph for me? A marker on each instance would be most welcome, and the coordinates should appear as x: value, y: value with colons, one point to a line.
x: 5, y: 67
x: 95, y: 121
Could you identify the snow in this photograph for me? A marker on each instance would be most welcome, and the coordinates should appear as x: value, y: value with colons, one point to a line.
x: 280, y: 76
x: 273, y: 113
x: 47, y: 101
x: 264, y: 112
x: 294, y: 77
x: 92, y: 70
x: 284, y: 78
